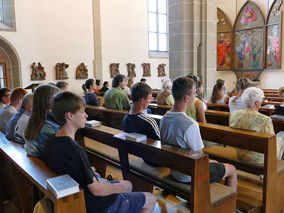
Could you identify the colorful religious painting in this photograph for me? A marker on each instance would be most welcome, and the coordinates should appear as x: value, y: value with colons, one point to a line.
x: 249, y: 49
x: 249, y: 41
x: 224, y: 41
x: 273, y: 36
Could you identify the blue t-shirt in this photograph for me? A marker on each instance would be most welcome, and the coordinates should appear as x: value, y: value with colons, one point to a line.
x: 141, y: 123
x: 92, y: 99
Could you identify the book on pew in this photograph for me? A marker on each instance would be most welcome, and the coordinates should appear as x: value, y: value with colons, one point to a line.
x: 62, y: 186
x: 135, y: 137
x: 277, y: 117
x: 92, y: 123
x: 268, y: 106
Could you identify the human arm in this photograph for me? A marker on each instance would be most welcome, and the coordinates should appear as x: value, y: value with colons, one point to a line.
x: 104, y: 188
x: 200, y: 115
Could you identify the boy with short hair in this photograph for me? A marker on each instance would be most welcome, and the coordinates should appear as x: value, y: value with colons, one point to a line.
x: 64, y: 155
x: 137, y: 121
x: 180, y: 130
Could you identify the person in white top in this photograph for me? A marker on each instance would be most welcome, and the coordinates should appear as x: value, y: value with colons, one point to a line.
x: 218, y: 94
x: 235, y: 101
x: 176, y: 128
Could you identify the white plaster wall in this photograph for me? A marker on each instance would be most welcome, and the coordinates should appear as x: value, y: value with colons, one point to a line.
x: 50, y: 32
x: 124, y: 34
x: 269, y: 78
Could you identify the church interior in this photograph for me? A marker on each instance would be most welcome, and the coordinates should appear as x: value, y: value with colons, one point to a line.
x: 231, y: 50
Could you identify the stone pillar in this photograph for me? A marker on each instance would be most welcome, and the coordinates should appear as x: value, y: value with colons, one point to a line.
x: 98, y: 70
x: 192, y: 39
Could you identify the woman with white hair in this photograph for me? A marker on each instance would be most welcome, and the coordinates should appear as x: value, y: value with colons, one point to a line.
x: 165, y: 96
x: 250, y: 119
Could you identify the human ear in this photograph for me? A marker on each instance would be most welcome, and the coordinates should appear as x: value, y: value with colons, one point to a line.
x: 68, y: 115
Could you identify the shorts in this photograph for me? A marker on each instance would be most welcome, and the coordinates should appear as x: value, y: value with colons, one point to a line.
x: 131, y: 202
x: 216, y: 172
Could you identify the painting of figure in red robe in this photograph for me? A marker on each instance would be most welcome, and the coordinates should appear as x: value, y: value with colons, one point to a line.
x: 273, y: 56
x: 224, y: 51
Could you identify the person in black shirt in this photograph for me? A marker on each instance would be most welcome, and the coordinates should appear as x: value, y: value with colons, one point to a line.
x: 135, y: 120
x: 105, y: 87
x: 65, y: 156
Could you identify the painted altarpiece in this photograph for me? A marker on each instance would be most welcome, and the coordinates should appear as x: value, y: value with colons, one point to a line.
x: 249, y: 42
x: 224, y: 41
x: 273, y: 36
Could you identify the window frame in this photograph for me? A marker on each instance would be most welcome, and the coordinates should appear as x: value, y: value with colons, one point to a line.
x: 158, y: 53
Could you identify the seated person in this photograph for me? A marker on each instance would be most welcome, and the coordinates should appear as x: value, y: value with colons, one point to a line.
x: 116, y: 98
x: 135, y: 120
x: 63, y: 85
x: 235, y: 102
x: 165, y: 96
x: 41, y: 126
x: 196, y: 111
x: 279, y: 109
x: 89, y: 88
x: 7, y: 112
x: 105, y: 87
x: 143, y: 80
x: 98, y: 85
x: 218, y: 93
x: 180, y: 130
x: 65, y: 156
x: 17, y: 125
x: 250, y: 119
x: 5, y: 95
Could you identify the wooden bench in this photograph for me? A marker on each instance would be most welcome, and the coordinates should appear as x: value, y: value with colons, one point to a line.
x: 30, y: 169
x: 225, y: 107
x: 272, y: 169
x: 222, y: 118
x: 219, y: 199
x: 159, y: 109
x: 108, y: 115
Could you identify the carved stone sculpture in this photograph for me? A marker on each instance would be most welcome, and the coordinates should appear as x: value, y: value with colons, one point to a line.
x: 146, y: 69
x: 131, y: 70
x: 114, y: 69
x: 161, y: 70
x: 38, y: 72
x: 82, y: 71
x: 60, y: 69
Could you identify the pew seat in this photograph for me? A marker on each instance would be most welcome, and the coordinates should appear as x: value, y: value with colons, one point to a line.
x: 156, y: 175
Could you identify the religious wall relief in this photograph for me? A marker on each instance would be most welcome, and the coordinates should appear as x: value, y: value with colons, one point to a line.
x: 60, y: 69
x: 114, y: 69
x: 146, y: 69
x: 161, y: 70
x: 131, y: 70
x: 38, y: 72
x: 82, y: 71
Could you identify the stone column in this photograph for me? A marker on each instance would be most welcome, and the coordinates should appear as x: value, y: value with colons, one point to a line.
x: 192, y: 39
x: 98, y: 70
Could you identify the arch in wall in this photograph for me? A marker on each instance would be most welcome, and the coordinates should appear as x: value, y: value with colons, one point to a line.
x: 249, y: 42
x: 14, y: 63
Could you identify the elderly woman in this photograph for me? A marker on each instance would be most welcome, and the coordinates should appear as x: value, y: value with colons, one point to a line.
x: 250, y: 119
x: 165, y: 96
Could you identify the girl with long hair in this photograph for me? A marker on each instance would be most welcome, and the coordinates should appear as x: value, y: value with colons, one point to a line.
x: 89, y: 88
x: 218, y: 94
x: 41, y: 126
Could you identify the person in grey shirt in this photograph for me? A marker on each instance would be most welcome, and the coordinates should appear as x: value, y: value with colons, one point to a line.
x: 177, y: 129
x: 8, y: 111
x: 17, y: 125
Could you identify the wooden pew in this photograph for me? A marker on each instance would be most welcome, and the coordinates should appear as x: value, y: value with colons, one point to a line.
x: 108, y: 115
x: 222, y: 118
x: 276, y: 99
x: 159, y: 109
x: 225, y: 107
x: 30, y: 169
x: 203, y: 197
x: 273, y: 170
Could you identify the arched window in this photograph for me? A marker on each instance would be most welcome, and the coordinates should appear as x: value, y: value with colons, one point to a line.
x: 7, y: 15
x: 158, y: 28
